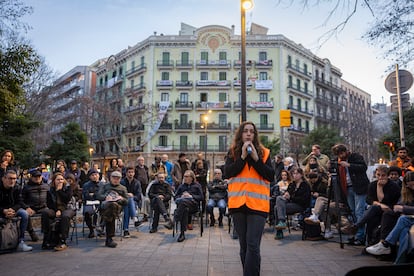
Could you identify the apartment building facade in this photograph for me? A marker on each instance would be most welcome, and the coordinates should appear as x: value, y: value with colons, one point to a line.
x: 174, y: 93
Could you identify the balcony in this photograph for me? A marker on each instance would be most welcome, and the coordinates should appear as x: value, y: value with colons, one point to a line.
x: 184, y: 64
x: 213, y: 84
x: 136, y: 128
x: 165, y: 84
x: 237, y: 106
x: 263, y: 85
x: 213, y: 64
x: 132, y: 108
x: 213, y: 127
x: 299, y: 110
x: 184, y: 85
x: 200, y: 106
x: 163, y: 105
x: 299, y: 72
x: 266, y: 127
x: 165, y: 64
x: 300, y: 92
x: 165, y: 127
x: 183, y: 105
x: 142, y: 68
x: 299, y: 129
x: 135, y: 90
x: 328, y: 85
x: 261, y: 105
x: 264, y: 64
x: 183, y: 126
x: 237, y: 84
x: 237, y: 64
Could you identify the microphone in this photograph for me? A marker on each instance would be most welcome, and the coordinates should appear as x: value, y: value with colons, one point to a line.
x: 249, y: 149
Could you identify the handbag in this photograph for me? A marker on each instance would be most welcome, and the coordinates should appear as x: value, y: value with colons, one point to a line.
x: 9, y: 234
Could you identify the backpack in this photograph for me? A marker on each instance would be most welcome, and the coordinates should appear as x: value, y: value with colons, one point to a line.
x: 311, y: 232
x: 9, y: 234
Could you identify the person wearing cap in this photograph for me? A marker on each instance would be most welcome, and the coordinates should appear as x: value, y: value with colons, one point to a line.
x: 180, y: 166
x: 113, y: 196
x: 34, y: 196
x: 73, y: 169
x: 316, y: 152
x: 89, y: 193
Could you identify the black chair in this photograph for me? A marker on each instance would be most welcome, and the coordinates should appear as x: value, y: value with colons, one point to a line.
x: 198, y: 215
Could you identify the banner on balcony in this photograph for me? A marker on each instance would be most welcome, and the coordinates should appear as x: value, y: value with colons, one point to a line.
x: 163, y: 107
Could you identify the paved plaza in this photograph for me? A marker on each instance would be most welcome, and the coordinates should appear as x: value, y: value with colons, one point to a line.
x: 215, y: 253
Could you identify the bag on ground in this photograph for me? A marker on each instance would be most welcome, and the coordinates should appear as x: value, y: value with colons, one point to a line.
x: 9, y: 234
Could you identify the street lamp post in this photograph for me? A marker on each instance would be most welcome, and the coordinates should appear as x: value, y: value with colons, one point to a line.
x: 205, y: 136
x: 244, y: 6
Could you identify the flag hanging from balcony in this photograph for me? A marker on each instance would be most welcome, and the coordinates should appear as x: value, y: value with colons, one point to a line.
x: 163, y: 107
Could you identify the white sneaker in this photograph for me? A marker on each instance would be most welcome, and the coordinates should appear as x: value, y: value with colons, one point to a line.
x: 328, y: 234
x: 22, y: 247
x: 313, y: 219
x: 378, y: 249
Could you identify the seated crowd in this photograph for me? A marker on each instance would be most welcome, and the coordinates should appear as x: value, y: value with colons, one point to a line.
x: 322, y: 193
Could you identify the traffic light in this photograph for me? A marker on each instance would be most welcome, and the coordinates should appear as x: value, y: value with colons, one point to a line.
x: 391, y: 146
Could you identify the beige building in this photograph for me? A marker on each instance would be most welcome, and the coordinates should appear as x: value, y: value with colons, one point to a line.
x: 174, y: 93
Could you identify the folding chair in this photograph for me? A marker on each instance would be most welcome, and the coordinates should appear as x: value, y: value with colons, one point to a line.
x: 198, y: 214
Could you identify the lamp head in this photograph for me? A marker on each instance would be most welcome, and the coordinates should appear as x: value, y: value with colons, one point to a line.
x: 247, y: 5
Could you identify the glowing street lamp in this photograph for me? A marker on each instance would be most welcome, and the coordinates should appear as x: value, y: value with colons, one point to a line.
x: 245, y: 5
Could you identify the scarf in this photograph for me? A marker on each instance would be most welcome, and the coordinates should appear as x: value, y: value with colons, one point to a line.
x: 342, y: 178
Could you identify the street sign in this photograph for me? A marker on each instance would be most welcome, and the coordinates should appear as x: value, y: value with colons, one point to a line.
x: 405, y: 80
x: 285, y: 120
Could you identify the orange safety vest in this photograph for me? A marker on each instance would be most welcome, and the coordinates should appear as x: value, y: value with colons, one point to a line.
x: 250, y: 188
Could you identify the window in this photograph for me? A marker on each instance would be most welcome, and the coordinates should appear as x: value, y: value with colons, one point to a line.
x: 305, y: 69
x: 129, y: 142
x: 183, y: 143
x: 184, y: 97
x: 131, y: 102
x: 306, y: 106
x: 262, y: 56
x: 222, y: 143
x: 185, y: 57
x: 297, y: 64
x: 203, y: 143
x: 131, y: 83
x: 141, y: 81
x: 165, y: 97
x: 263, y: 120
x: 140, y: 99
x: 299, y: 104
x: 203, y: 97
x: 222, y: 76
x: 204, y: 57
x: 183, y: 119
x: 290, y: 81
x: 163, y: 140
x: 222, y: 97
x: 223, y: 56
x: 165, y: 76
x: 222, y: 120
x: 306, y: 87
x: 133, y: 64
x: 262, y: 75
x: 290, y: 100
x: 203, y: 75
x: 165, y: 58
x: 289, y: 61
x: 298, y: 84
x: 299, y: 123
x: 263, y: 97
x: 307, y: 126
x: 184, y: 76
x: 138, y: 140
x: 142, y: 61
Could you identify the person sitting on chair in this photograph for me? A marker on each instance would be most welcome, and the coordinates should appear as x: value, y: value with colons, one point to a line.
x: 11, y: 205
x: 160, y: 195
x: 217, y: 190
x: 188, y: 197
x: 89, y: 192
x: 134, y: 189
x: 296, y: 199
x: 58, y: 215
x: 113, y: 196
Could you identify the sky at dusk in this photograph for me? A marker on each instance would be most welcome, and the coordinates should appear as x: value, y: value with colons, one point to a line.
x: 79, y: 32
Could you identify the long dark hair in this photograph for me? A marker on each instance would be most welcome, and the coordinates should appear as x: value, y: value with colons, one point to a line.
x: 236, y: 146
